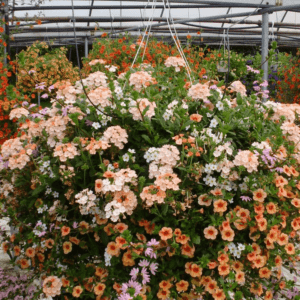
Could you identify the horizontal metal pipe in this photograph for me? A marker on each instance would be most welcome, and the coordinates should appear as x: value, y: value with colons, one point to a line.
x: 55, y: 7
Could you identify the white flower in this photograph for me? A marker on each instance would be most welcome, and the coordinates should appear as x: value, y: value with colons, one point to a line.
x: 213, y: 123
x: 96, y: 125
x: 123, y: 104
x: 88, y: 111
x: 243, y: 186
x: 123, y: 111
x: 125, y: 157
x: 131, y: 150
x: 55, y: 194
x: 220, y: 105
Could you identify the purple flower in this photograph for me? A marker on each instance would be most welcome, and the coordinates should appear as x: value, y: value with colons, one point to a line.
x: 131, y: 284
x: 153, y: 242
x: 153, y: 267
x: 213, y: 87
x: 149, y: 252
x: 51, y: 87
x: 265, y: 83
x: 145, y: 275
x: 40, y: 86
x: 65, y: 110
x: 75, y: 225
x: 124, y: 297
x: 45, y: 96
x: 88, y: 122
x: 31, y: 71
x: 204, y: 77
x: 24, y: 103
x: 134, y: 273
x: 245, y: 198
x: 144, y: 263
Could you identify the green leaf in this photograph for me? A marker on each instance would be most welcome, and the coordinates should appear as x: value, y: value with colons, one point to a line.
x: 196, y: 239
x: 146, y: 138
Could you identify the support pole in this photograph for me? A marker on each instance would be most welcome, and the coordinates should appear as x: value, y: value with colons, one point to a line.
x: 86, y: 47
x: 264, y: 46
x: 6, y: 32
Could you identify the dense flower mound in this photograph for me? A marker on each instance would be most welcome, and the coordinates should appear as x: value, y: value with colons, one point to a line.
x: 154, y: 188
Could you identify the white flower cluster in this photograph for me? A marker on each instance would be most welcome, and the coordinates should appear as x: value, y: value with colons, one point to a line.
x: 107, y: 258
x: 104, y: 119
x: 111, y: 68
x: 218, y: 151
x: 86, y: 199
x: 170, y: 110
x: 220, y: 105
x: 209, y: 180
x: 42, y: 209
x: 209, y: 168
x: 217, y: 138
x: 45, y: 168
x: 113, y: 210
x: 40, y: 229
x: 262, y: 145
x: 126, y: 157
x: 6, y: 187
x: 236, y: 251
x: 151, y: 154
x: 118, y: 90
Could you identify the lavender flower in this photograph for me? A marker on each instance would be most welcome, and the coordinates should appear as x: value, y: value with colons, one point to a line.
x: 153, y: 268
x: 245, y: 198
x: 149, y: 252
x: 144, y: 263
x: 45, y: 96
x: 153, y: 242
x: 145, y: 275
x: 134, y: 273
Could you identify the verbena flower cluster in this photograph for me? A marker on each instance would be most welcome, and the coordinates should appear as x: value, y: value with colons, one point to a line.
x: 200, y: 204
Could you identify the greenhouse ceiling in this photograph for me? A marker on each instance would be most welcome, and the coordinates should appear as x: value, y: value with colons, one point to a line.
x: 210, y: 22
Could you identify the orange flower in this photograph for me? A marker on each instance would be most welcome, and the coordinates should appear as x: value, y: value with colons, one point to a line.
x: 182, y: 286
x: 177, y: 231
x: 223, y: 269
x: 290, y: 249
x: 240, y: 277
x: 23, y: 263
x: 196, y: 271
x: 49, y: 243
x: 102, y: 273
x: 17, y: 250
x: 182, y: 239
x: 187, y: 250
x: 30, y: 252
x: 223, y: 258
x: 287, y: 170
x: 259, y: 261
x: 83, y: 227
x: 219, y: 295
x: 120, y: 242
x: 166, y: 233
x: 196, y: 117
x: 282, y: 239
x: 121, y: 227
x: 264, y: 273
x: 65, y: 230
x: 113, y: 249
x: 165, y: 285
x: 109, y: 229
x: 74, y: 240
x: 282, y: 285
x: 163, y: 294
x: 210, y: 232
x: 99, y: 289
x: 65, y: 282
x: 127, y: 259
x: 117, y: 287
x: 228, y: 235
x: 67, y: 247
x: 278, y: 261
x: 204, y: 200
x: 294, y: 172
x: 271, y: 208
x: 296, y: 202
x: 256, y: 289
x: 212, y: 264
x: 280, y: 181
x: 268, y: 295
x: 211, y: 286
x: 77, y: 290
x: 220, y: 206
x: 259, y: 195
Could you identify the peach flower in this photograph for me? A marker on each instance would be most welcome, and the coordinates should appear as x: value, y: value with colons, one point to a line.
x: 210, y: 233
x: 52, y: 286
x: 166, y: 233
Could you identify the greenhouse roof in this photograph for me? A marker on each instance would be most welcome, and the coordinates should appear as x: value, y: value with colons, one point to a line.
x: 238, y: 22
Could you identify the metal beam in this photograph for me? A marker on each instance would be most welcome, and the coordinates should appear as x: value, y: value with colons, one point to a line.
x: 265, y: 47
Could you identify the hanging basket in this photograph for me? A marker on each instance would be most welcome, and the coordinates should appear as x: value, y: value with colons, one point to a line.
x: 222, y: 66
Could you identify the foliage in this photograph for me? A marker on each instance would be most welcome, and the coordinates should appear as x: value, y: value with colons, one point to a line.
x: 153, y: 187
